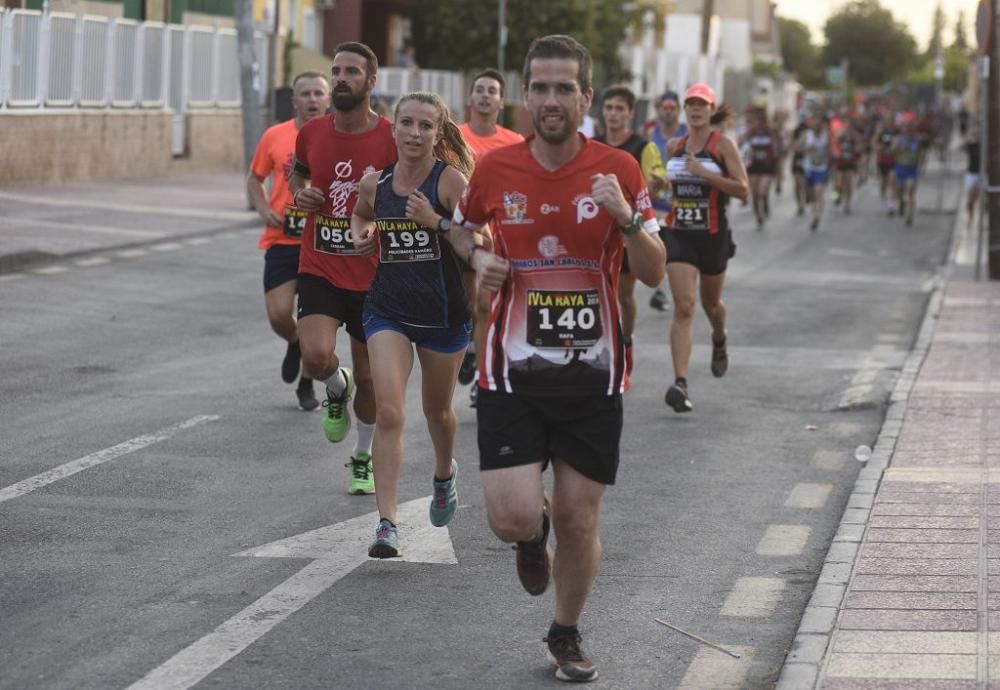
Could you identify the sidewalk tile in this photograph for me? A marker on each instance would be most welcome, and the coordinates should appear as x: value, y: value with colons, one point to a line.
x: 921, y: 522
x: 948, y: 601
x: 911, y: 684
x: 894, y: 641
x: 916, y: 566
x: 933, y: 509
x: 914, y: 583
x: 892, y: 494
x: 903, y: 666
x: 924, y: 536
x: 919, y: 550
x: 879, y: 619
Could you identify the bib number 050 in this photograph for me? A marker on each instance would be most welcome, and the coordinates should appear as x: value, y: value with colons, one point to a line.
x: 333, y: 235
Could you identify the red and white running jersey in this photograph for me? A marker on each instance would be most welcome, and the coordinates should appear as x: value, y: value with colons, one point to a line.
x: 554, y: 326
x: 335, y: 162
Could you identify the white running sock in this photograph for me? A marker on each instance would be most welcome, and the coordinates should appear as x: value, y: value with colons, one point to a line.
x: 337, y: 383
x: 366, y: 436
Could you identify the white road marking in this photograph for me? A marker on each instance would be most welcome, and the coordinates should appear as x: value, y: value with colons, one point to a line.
x: 195, y: 241
x: 784, y: 540
x: 92, y: 261
x: 845, y: 429
x: 753, y: 597
x: 76, y: 227
x: 132, y: 253
x: 828, y: 459
x: 130, y: 208
x: 70, y: 468
x: 713, y: 669
x: 809, y: 496
x: 11, y: 276
x: 338, y: 550
x: 227, y: 235
x: 50, y: 270
x: 861, y: 387
x: 167, y: 246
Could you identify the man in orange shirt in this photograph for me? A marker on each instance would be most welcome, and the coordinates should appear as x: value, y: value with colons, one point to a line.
x: 283, y: 223
x: 482, y: 134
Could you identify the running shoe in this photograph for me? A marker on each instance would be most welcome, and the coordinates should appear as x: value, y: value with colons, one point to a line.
x: 337, y: 420
x: 445, y: 498
x: 474, y: 395
x: 658, y: 300
x: 677, y: 398
x: 720, y: 358
x: 386, y: 543
x: 307, y: 398
x: 534, y: 563
x: 468, y: 370
x: 571, y: 663
x: 362, y: 474
x: 290, y: 364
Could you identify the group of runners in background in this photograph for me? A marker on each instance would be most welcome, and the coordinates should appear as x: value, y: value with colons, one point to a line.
x: 510, y: 263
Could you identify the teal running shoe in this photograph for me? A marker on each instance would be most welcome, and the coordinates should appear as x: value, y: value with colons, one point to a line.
x: 386, y: 544
x: 337, y: 418
x: 445, y: 498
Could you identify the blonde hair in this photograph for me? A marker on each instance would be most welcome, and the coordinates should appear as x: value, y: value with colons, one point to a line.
x: 451, y: 147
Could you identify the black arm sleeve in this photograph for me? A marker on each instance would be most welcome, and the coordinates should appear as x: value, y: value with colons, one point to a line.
x: 300, y: 168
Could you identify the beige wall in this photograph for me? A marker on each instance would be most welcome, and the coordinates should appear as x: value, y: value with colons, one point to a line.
x: 86, y: 145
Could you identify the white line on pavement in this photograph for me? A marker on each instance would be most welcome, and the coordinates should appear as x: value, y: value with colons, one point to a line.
x: 92, y: 261
x: 828, y: 459
x: 167, y: 246
x: 753, y: 597
x: 783, y: 540
x: 11, y: 276
x: 195, y: 241
x: 76, y: 227
x: 50, y: 270
x: 712, y: 669
x: 132, y: 253
x: 130, y: 208
x: 70, y: 468
x: 809, y: 496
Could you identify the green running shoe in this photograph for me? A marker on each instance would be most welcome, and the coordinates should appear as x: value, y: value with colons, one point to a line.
x: 386, y: 544
x: 337, y: 418
x: 362, y: 474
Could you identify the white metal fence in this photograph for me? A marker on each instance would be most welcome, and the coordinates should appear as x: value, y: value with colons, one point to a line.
x: 393, y: 82
x: 67, y: 61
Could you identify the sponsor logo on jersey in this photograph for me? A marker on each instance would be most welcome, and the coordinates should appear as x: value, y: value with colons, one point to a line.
x: 549, y: 208
x: 586, y: 208
x: 550, y: 248
x: 515, y: 206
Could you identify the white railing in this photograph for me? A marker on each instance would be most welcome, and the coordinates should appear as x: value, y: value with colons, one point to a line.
x: 58, y: 60
x: 393, y: 82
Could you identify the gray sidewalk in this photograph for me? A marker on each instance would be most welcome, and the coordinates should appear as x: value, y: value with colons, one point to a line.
x: 40, y: 223
x: 909, y: 596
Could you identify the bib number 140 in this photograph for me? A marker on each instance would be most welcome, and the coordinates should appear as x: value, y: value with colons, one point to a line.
x: 564, y: 319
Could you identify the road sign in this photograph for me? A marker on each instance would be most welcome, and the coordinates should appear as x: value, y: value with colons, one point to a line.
x: 337, y: 550
x: 984, y: 25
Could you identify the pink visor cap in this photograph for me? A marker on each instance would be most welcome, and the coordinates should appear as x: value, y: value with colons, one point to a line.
x: 702, y: 91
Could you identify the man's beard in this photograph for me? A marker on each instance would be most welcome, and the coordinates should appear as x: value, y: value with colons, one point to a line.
x: 568, y: 129
x: 345, y: 101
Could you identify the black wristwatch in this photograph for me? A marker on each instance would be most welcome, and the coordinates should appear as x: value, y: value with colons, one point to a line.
x: 444, y: 225
x: 634, y: 226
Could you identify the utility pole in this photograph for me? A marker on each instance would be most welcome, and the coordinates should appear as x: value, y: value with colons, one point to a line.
x: 249, y: 79
x: 707, y: 12
x: 991, y: 188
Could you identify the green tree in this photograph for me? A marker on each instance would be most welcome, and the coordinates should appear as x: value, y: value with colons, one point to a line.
x: 462, y: 35
x: 878, y: 48
x: 798, y: 53
x: 961, y: 41
x: 936, y: 44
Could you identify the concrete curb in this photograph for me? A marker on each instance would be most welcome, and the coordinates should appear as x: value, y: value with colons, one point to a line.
x: 805, y: 661
x: 19, y: 261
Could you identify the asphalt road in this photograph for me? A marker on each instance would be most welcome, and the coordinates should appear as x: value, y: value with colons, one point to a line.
x: 718, y: 525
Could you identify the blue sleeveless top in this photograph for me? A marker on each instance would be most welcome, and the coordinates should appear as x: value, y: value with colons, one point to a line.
x: 419, y: 277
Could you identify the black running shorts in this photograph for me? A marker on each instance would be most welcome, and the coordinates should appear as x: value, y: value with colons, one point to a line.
x: 281, y: 264
x: 318, y: 296
x: 710, y: 254
x: 582, y: 431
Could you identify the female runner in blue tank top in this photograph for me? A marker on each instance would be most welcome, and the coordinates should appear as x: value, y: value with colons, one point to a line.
x: 416, y: 298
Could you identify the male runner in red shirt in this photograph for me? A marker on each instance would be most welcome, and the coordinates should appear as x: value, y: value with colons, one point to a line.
x: 563, y: 209
x: 333, y: 153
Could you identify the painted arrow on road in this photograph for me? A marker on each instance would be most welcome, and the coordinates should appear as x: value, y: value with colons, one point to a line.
x: 337, y: 549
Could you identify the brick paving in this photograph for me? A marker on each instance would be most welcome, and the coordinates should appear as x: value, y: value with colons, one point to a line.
x: 922, y: 602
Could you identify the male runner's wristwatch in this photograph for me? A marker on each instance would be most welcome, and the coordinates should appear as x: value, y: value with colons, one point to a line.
x: 634, y: 226
x: 444, y: 225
